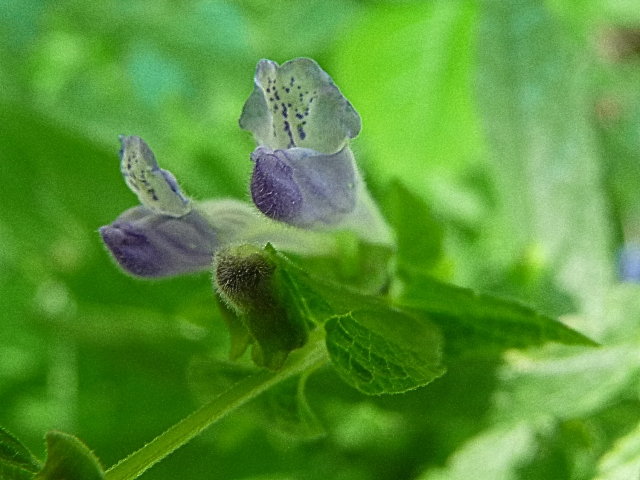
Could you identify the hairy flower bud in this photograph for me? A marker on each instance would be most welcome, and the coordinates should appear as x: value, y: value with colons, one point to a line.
x: 149, y: 244
x: 249, y: 282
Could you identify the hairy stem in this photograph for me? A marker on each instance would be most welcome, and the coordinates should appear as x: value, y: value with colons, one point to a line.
x: 311, y: 356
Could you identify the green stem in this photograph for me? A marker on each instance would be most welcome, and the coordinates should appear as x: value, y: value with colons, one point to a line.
x: 311, y: 356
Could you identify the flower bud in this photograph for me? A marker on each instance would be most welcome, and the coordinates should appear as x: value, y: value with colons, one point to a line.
x: 302, y: 187
x: 249, y: 282
x: 149, y: 244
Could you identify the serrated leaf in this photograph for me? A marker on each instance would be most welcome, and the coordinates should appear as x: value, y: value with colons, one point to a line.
x: 471, y: 321
x: 381, y: 352
x: 69, y: 459
x: 16, y: 461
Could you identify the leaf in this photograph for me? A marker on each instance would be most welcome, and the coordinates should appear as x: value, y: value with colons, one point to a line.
x: 69, y: 459
x: 289, y: 411
x: 381, y: 352
x: 500, y: 451
x: 564, y: 383
x: 239, y: 335
x: 359, y: 265
x: 415, y: 92
x: 622, y: 462
x: 533, y: 96
x: 16, y: 461
x: 472, y: 321
x: 419, y: 235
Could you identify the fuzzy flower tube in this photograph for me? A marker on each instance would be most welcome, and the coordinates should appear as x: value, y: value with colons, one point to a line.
x: 304, y: 171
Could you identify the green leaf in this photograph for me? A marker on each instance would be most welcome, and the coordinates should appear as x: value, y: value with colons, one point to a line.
x: 359, y: 265
x: 534, y: 98
x: 419, y: 235
x: 415, y: 92
x: 239, y: 335
x: 16, y: 461
x: 471, y: 321
x: 382, y: 352
x: 622, y: 462
x: 500, y: 451
x: 565, y: 383
x: 289, y: 411
x: 69, y: 459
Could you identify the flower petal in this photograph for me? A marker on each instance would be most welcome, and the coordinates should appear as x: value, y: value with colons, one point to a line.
x: 157, y: 189
x: 303, y: 187
x: 297, y: 104
x: 148, y: 244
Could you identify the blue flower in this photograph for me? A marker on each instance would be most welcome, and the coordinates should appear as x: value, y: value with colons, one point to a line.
x: 304, y: 171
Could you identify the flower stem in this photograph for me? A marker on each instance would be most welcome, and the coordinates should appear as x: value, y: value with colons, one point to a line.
x: 307, y: 358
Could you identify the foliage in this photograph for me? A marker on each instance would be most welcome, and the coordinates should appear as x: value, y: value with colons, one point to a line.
x: 502, y: 143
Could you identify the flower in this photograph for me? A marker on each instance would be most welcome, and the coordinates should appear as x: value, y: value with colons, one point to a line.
x: 157, y: 189
x: 304, y: 172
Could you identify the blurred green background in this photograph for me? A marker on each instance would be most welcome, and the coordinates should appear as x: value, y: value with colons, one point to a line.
x: 517, y: 122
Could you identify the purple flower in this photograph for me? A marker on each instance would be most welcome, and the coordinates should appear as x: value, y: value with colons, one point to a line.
x: 164, y: 236
x: 148, y: 244
x: 304, y: 172
x: 302, y: 187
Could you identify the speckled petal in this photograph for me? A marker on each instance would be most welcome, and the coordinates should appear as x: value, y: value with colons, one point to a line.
x: 296, y: 104
x: 157, y: 189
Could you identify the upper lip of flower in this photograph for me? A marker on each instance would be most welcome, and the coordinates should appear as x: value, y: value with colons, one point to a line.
x: 157, y: 189
x: 296, y: 104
